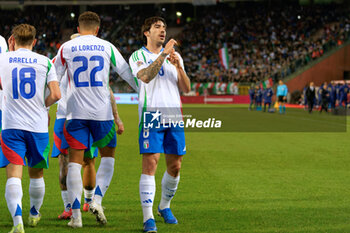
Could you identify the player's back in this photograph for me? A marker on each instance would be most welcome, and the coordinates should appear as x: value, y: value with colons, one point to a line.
x: 24, y: 75
x: 88, y: 60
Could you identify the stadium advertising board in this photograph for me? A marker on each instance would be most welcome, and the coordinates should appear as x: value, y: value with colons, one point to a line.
x: 126, y: 98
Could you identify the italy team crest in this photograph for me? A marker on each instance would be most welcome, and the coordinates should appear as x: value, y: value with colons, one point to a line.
x: 146, y: 144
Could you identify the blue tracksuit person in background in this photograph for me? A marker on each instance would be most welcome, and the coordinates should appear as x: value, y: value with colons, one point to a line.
x: 305, y: 99
x: 251, y: 96
x: 343, y: 95
x: 332, y: 95
x: 319, y: 98
x: 282, y: 91
x: 268, y: 93
x: 337, y: 88
x: 325, y: 98
x: 258, y: 98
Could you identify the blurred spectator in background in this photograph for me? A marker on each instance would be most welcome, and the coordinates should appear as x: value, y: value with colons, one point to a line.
x: 268, y: 93
x: 251, y: 96
x: 258, y: 98
x: 310, y: 96
x: 343, y: 95
x: 324, y: 97
x: 282, y: 91
x: 332, y: 95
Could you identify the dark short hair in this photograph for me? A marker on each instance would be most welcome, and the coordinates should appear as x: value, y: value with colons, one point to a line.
x: 148, y: 24
x: 24, y: 34
x: 89, y: 20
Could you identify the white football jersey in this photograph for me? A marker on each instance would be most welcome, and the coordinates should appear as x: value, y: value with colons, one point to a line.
x: 162, y: 91
x: 24, y: 77
x: 62, y: 104
x: 3, y: 49
x: 87, y: 60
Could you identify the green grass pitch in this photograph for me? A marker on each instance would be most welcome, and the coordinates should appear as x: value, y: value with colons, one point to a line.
x: 230, y: 182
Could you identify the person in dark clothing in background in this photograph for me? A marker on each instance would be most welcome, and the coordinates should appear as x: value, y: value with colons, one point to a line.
x: 310, y: 96
x: 343, y: 95
x: 251, y: 97
x: 258, y: 98
x: 304, y: 95
x: 318, y: 97
x: 268, y: 93
x: 337, y: 88
x: 324, y: 98
x: 332, y: 95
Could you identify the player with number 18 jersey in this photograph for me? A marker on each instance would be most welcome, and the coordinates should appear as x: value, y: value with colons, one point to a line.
x: 24, y: 76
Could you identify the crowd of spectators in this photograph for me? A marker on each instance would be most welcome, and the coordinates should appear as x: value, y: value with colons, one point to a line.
x: 47, y: 21
x: 263, y: 41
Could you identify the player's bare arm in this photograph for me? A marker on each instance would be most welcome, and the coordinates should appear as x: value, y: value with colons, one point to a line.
x: 148, y: 74
x: 55, y: 93
x: 183, y: 82
x: 117, y: 119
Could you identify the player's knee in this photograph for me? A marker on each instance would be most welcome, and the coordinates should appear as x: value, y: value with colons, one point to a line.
x: 35, y: 173
x: 149, y: 167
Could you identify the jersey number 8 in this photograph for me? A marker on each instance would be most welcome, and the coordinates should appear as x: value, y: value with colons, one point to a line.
x: 23, y: 81
x: 84, y: 67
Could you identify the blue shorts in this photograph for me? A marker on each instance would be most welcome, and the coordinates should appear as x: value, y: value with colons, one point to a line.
x: 60, y: 144
x: 59, y: 141
x: 163, y: 140
x: 17, y: 144
x: 80, y: 134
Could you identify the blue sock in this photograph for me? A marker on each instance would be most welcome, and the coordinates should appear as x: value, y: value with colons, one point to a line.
x: 280, y: 108
x: 284, y: 109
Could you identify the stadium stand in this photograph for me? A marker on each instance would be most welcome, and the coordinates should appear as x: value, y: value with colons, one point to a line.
x: 263, y: 41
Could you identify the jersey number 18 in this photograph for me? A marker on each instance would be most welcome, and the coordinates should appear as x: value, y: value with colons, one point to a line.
x: 23, y: 80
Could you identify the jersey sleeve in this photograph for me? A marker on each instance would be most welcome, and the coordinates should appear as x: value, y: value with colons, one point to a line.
x: 3, y: 45
x: 119, y: 65
x: 60, y: 63
x: 137, y: 62
x: 51, y: 72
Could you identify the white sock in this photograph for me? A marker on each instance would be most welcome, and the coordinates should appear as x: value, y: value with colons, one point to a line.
x: 75, y: 187
x: 13, y: 196
x: 147, y: 193
x: 169, y: 187
x: 36, y: 193
x: 103, y: 178
x: 88, y: 195
x: 65, y: 198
